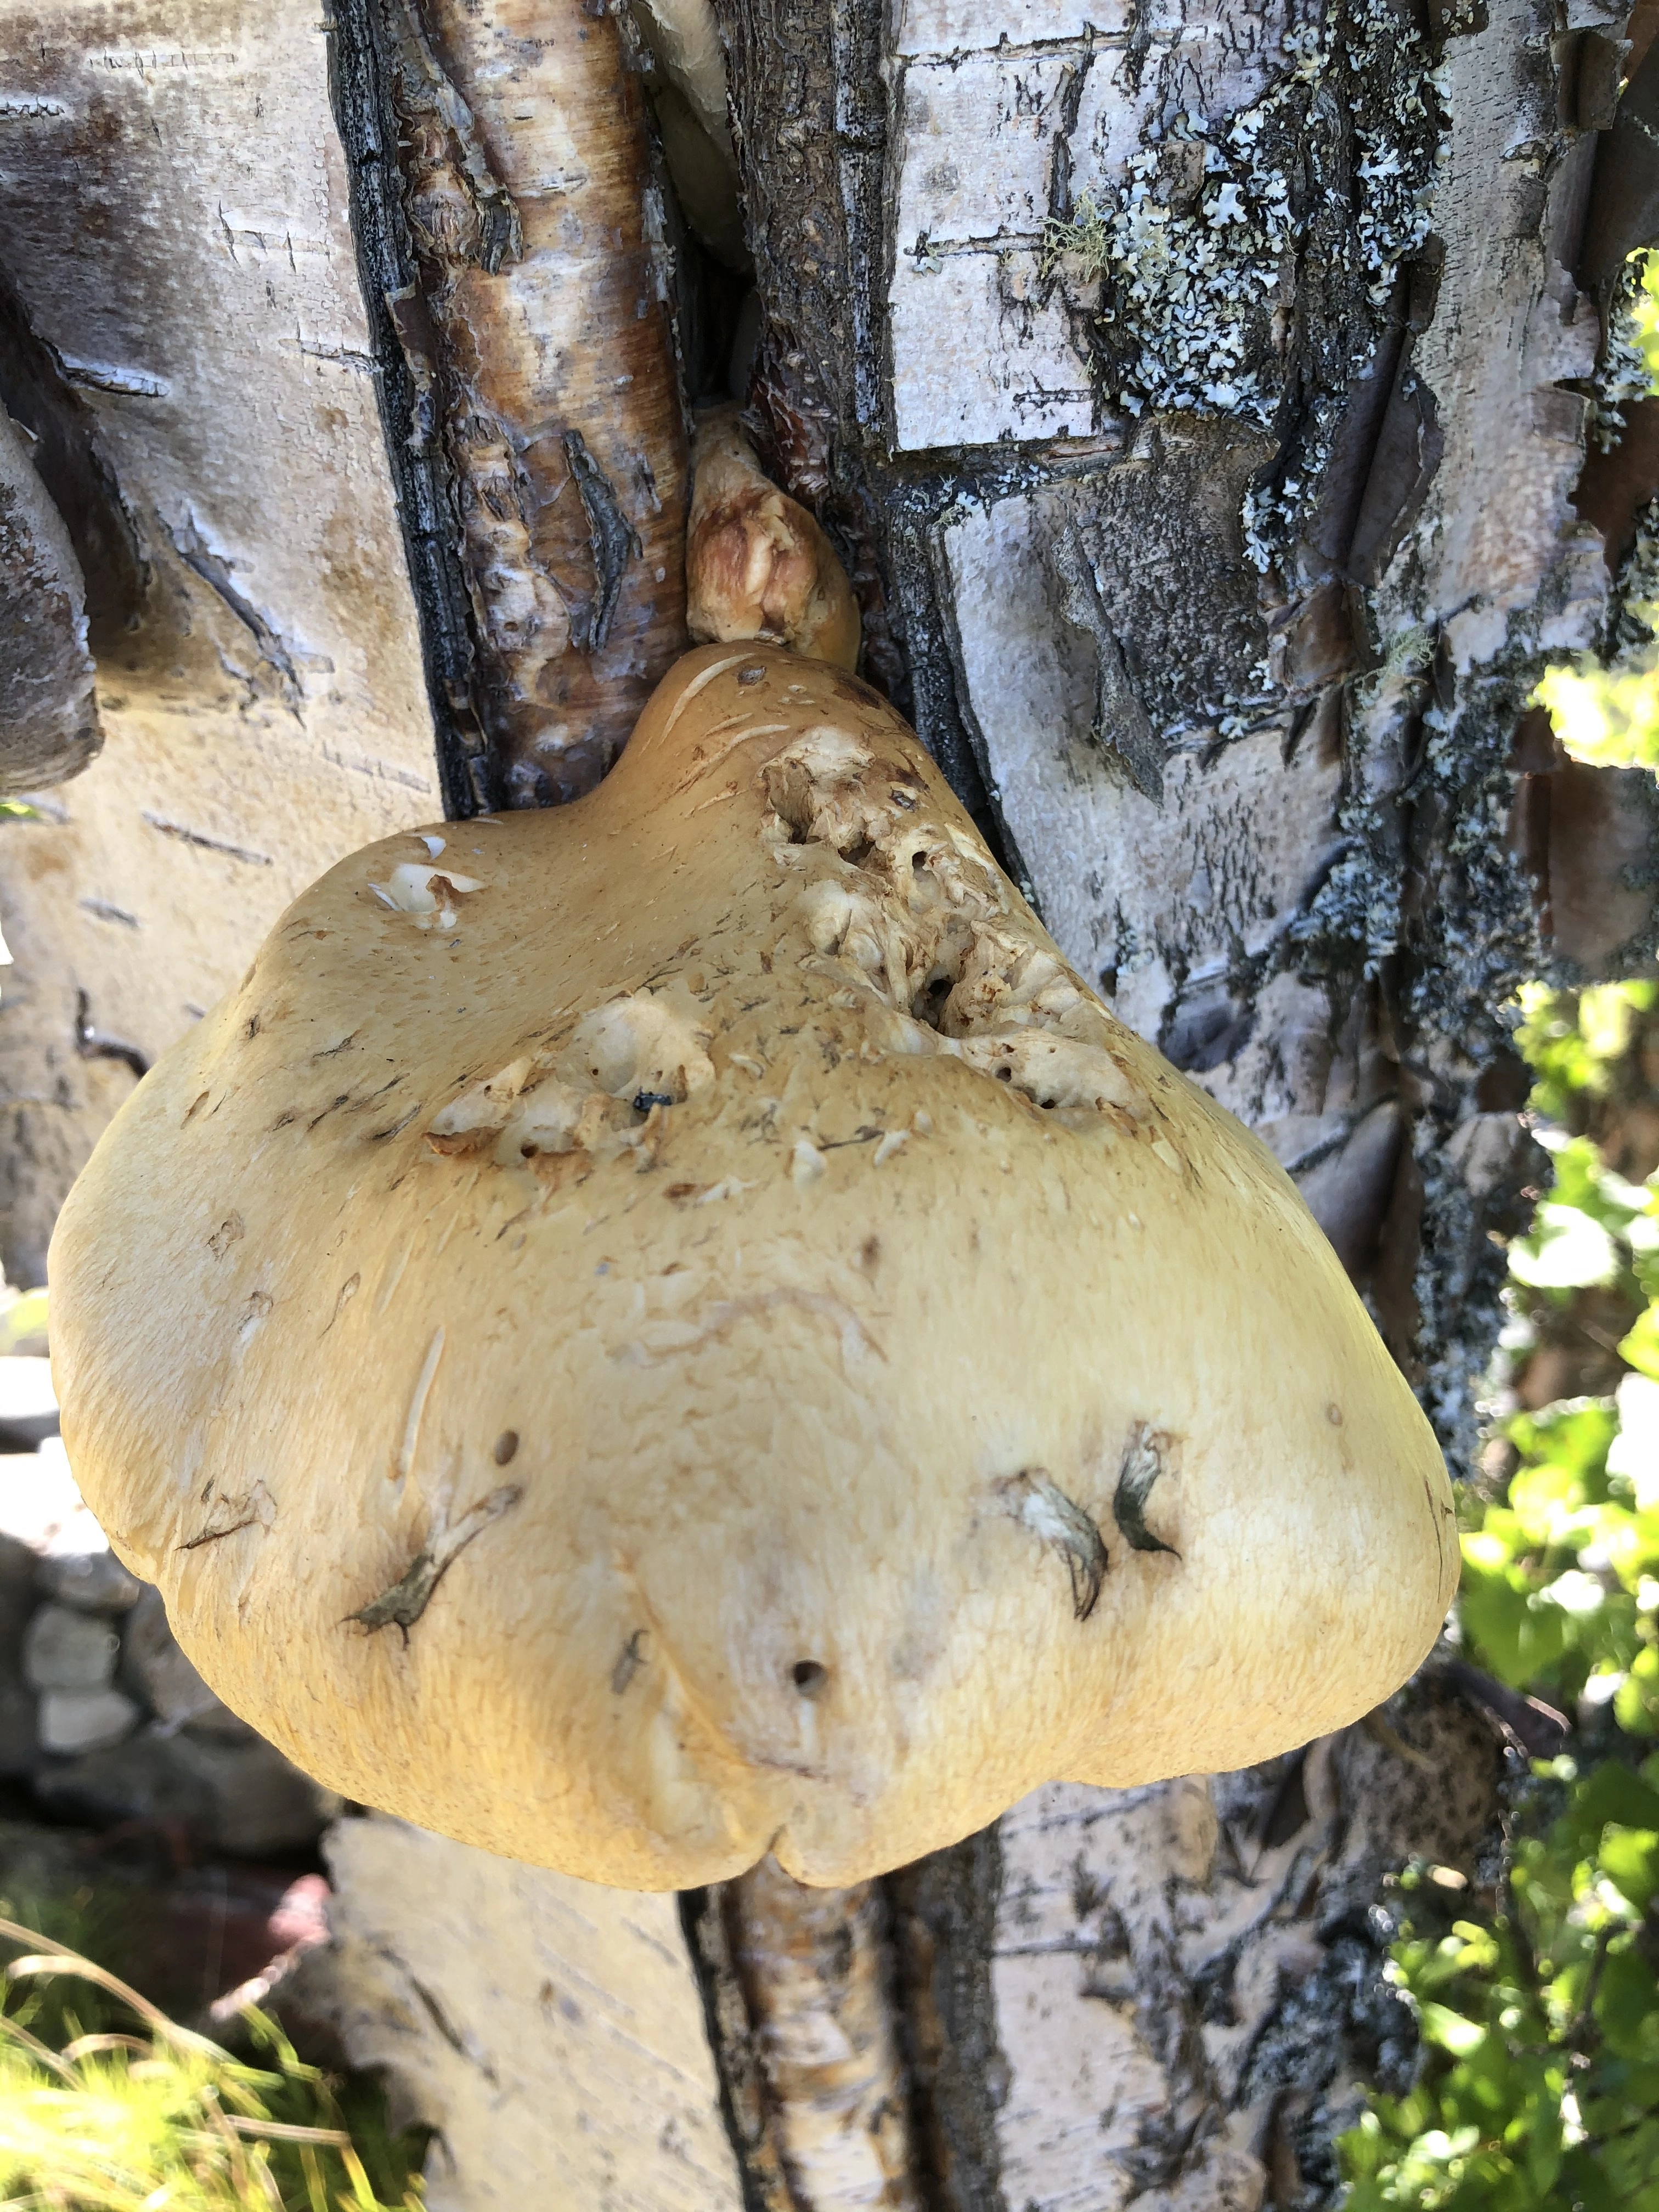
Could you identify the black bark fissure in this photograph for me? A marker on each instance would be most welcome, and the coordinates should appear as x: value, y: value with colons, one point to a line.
x: 942, y: 1911
x: 93, y: 1043
x: 360, y: 63
x: 731, y: 2039
x: 68, y: 457
x: 614, y: 541
x: 810, y: 106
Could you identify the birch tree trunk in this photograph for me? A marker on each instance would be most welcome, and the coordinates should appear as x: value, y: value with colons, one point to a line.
x: 1199, y: 395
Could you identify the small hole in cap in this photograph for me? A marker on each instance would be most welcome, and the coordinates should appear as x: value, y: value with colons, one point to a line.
x: 754, y: 673
x: 809, y: 1677
x: 506, y: 1444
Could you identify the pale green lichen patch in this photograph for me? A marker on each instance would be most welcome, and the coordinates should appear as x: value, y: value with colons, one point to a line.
x: 1201, y: 245
x: 1630, y: 358
x: 1250, y: 265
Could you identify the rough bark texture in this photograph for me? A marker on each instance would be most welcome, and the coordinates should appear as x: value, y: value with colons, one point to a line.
x: 1203, y: 396
x: 1229, y: 615
x: 512, y: 241
x: 51, y: 729
x: 177, y: 243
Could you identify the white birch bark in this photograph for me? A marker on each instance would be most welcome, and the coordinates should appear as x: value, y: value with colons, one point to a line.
x: 549, y: 2031
x: 176, y: 229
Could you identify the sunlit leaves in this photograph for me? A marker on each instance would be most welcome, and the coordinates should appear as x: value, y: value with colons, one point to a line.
x: 1538, y: 2089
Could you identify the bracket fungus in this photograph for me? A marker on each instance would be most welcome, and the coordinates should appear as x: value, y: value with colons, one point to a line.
x: 698, y: 1332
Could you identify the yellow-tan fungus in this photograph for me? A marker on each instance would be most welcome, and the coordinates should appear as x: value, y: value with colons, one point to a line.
x: 753, y: 1356
x: 756, y: 564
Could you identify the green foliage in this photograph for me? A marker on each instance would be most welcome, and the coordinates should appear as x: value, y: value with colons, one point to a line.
x: 141, y: 2113
x: 1539, y: 2085
x: 1572, y: 1043
x: 1609, y: 716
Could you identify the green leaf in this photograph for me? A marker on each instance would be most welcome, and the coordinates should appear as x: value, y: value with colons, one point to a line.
x: 1627, y: 2011
x: 1630, y: 1857
x: 1450, y: 2029
x: 1613, y: 1792
x: 1636, y: 1702
x: 1641, y: 1346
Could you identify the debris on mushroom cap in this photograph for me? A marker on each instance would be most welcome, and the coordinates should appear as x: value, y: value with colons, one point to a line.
x: 757, y: 565
x: 737, y: 1349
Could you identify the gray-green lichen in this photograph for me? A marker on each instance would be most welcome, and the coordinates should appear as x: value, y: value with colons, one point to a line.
x: 1202, y: 250
x: 1622, y: 374
x: 1632, y: 621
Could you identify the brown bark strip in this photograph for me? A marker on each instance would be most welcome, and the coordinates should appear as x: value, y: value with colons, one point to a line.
x: 816, y: 1971
x: 540, y: 358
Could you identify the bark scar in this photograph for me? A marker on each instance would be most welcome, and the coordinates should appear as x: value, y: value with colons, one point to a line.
x: 427, y: 94
x: 1043, y: 1507
x: 613, y: 538
x: 1143, y: 1463
x: 96, y: 1044
x: 402, y: 1605
x: 1122, y: 722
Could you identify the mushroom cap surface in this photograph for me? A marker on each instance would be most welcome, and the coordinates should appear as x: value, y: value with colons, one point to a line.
x: 678, y: 1326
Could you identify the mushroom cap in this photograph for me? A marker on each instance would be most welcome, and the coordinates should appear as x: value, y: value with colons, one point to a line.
x: 679, y: 1326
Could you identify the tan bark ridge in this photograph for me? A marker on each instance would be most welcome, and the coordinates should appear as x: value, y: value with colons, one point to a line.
x: 538, y: 337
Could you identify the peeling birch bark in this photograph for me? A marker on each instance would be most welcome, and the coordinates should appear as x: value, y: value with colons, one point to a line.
x: 535, y: 332
x: 815, y: 1970
x: 51, y: 727
x: 176, y: 238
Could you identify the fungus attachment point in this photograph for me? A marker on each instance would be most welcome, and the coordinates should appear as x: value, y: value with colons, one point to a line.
x: 793, y: 1370
x: 756, y: 564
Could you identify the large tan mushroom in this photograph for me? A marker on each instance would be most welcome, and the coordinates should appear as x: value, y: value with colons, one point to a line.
x: 679, y: 1326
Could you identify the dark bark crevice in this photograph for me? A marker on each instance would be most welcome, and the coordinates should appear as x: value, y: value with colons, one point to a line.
x: 944, y: 1913
x: 402, y: 348
x: 809, y: 105
x: 68, y: 457
x: 732, y: 2039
